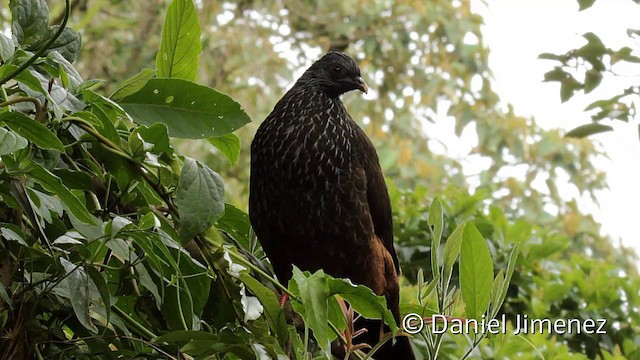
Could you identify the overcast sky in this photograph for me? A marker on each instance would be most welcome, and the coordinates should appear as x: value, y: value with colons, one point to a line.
x: 517, y: 31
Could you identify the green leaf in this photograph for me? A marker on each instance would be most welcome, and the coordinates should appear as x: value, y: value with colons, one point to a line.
x: 363, y: 300
x: 10, y: 142
x: 313, y: 291
x: 592, y: 79
x: 29, y: 20
x: 67, y: 44
x: 78, y: 286
x: 588, y: 129
x: 25, y: 77
x: 100, y: 280
x: 153, y: 139
x: 229, y: 146
x: 235, y: 222
x: 180, y: 47
x: 199, y: 197
x: 274, y: 313
x: 132, y: 84
x: 73, y: 78
x: 189, y: 110
x: 568, y: 86
x: 436, y: 224
x: 511, y: 266
x: 31, y: 130
x: 7, y: 47
x: 585, y: 4
x: 54, y: 185
x: 451, y: 251
x: 476, y: 272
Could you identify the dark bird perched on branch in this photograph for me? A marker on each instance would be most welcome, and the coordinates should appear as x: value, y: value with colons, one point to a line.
x: 317, y: 196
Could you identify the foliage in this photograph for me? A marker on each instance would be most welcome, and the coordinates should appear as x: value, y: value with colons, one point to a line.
x: 74, y: 155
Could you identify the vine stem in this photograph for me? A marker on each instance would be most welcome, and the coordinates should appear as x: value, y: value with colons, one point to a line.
x: 33, y: 100
x: 39, y: 53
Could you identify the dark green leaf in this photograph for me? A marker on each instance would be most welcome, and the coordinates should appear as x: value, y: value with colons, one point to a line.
x: 557, y: 74
x: 31, y: 130
x: 67, y: 44
x: 10, y: 142
x: 235, y: 222
x: 588, y: 129
x: 180, y: 47
x: 189, y: 110
x: 53, y: 184
x: 29, y: 20
x: 132, y: 84
x: 100, y: 280
x: 229, y: 146
x: 199, y: 197
x: 476, y: 272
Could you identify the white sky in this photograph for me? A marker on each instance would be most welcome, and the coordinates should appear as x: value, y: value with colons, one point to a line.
x: 517, y: 31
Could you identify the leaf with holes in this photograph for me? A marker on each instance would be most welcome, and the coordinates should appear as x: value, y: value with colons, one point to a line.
x: 189, y: 110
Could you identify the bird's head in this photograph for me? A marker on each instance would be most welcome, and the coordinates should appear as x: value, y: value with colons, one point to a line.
x: 335, y: 73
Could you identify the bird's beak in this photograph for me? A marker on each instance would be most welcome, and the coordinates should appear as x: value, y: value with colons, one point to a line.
x: 362, y: 86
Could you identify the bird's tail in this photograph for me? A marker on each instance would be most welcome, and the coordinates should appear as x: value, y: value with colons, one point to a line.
x: 398, y: 348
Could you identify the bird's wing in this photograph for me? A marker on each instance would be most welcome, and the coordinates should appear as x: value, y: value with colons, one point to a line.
x: 377, y: 194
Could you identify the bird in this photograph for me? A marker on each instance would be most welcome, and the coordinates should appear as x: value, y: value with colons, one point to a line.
x: 317, y: 194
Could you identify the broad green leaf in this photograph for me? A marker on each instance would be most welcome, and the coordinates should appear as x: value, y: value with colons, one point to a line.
x: 363, y: 300
x: 29, y: 20
x: 588, y: 129
x: 31, y: 130
x: 199, y: 197
x: 274, y: 313
x: 132, y: 84
x: 180, y: 47
x: 476, y: 272
x: 53, y: 184
x: 10, y: 142
x: 7, y: 47
x: 436, y: 224
x: 313, y: 291
x: 229, y: 146
x: 189, y: 110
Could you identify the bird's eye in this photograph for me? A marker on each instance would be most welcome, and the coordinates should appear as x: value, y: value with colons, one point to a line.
x: 337, y: 69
